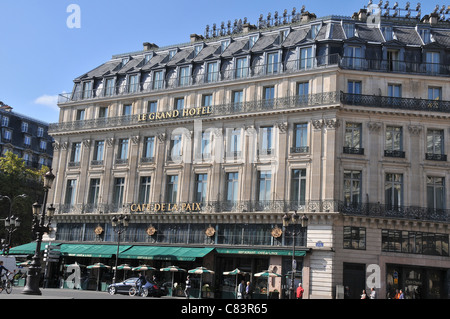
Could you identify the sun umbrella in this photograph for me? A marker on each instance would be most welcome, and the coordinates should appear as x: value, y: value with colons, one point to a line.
x: 235, y: 272
x: 200, y: 271
x: 173, y: 270
x: 24, y: 263
x: 98, y: 266
x: 123, y: 267
x: 267, y: 274
x: 143, y: 268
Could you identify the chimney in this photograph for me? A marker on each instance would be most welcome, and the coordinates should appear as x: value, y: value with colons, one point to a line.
x: 150, y: 46
x: 246, y: 28
x: 5, y: 107
x: 434, y: 18
x: 362, y: 15
x: 307, y: 17
x: 195, y: 38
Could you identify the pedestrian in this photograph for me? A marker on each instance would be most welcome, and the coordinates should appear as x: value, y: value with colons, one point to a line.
x: 141, y: 283
x: 363, y: 295
x: 402, y: 296
x: 397, y: 294
x: 248, y: 291
x: 373, y: 294
x: 241, y: 290
x: 300, y: 291
x: 187, y: 289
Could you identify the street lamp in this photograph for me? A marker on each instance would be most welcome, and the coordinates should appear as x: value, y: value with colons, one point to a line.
x: 39, y: 227
x: 120, y: 225
x: 287, y: 219
x: 11, y: 223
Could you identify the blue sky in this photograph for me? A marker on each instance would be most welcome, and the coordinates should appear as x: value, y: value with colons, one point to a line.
x: 40, y: 55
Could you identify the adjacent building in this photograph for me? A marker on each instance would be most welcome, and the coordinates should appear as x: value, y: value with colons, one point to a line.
x: 207, y: 145
x: 26, y: 137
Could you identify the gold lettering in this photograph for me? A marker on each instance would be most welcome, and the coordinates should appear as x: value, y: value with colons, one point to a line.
x: 157, y: 207
x: 133, y: 209
x: 151, y: 116
x: 176, y: 113
x: 197, y: 206
x: 163, y: 207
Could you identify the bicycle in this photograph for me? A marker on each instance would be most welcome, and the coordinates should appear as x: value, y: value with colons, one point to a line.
x: 134, y: 290
x: 6, y: 284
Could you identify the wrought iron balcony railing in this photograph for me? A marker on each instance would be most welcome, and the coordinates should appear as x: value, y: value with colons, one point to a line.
x: 272, y: 206
x: 395, y: 102
x: 290, y: 102
x: 394, y: 153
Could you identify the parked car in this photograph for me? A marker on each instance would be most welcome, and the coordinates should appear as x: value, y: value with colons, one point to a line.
x: 122, y: 287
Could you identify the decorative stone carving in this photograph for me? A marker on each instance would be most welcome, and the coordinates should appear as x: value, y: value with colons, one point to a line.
x: 317, y: 124
x: 374, y: 126
x: 135, y: 139
x: 87, y: 143
x: 110, y: 141
x: 161, y: 137
x: 282, y: 126
x: 331, y: 124
x: 415, y: 129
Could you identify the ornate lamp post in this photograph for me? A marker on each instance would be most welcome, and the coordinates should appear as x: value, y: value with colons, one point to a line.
x: 11, y: 223
x: 304, y: 223
x: 39, y: 228
x: 120, y: 225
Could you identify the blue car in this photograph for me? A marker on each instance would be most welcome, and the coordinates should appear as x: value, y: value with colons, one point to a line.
x: 122, y: 287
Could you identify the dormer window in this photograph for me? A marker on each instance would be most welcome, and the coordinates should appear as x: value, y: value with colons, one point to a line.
x: 197, y: 49
x: 5, y: 121
x: 224, y: 44
x: 172, y: 54
x: 314, y: 30
x: 148, y: 57
x: 125, y: 61
x: 349, y: 30
x: 388, y: 33
x: 283, y: 35
x: 24, y: 127
x: 425, y: 34
x: 252, y: 40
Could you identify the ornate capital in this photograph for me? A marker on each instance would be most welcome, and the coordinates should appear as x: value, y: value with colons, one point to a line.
x: 317, y: 124
x: 161, y: 137
x: 135, y: 139
x: 374, y: 126
x: 331, y: 124
x: 86, y: 142
x: 415, y: 129
x: 282, y: 126
x: 110, y: 141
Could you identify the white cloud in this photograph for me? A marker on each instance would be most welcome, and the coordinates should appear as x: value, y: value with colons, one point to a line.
x: 48, y: 100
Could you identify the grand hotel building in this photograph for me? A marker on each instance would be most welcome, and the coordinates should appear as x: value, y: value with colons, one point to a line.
x: 206, y: 146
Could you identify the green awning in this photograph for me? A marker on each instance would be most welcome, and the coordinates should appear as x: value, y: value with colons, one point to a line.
x: 165, y: 253
x: 28, y: 249
x: 95, y: 250
x: 266, y: 252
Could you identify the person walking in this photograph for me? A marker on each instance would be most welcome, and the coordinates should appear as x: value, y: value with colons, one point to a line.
x: 241, y: 290
x: 373, y: 294
x: 248, y: 291
x: 300, y: 291
x: 187, y: 289
x: 363, y: 295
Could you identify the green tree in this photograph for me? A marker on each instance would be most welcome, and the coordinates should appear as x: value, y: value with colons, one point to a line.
x: 16, y: 179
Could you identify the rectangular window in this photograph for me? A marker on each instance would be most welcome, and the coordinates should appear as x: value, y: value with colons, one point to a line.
x: 152, y: 107
x: 394, y: 191
x: 394, y: 90
x: 197, y: 49
x: 172, y: 54
x: 237, y: 100
x: 234, y: 148
x: 133, y: 84
x: 212, y: 72
x: 354, y: 87
x: 264, y: 185
x: 7, y: 136
x: 435, y: 193
x: 252, y: 40
x: 43, y: 145
x: 109, y: 88
x: 241, y: 68
x: 433, y: 62
x: 435, y: 143
x: 80, y: 115
x: 126, y: 110
x: 206, y: 144
x: 75, y: 154
x: 103, y: 112
x: 435, y: 93
x: 298, y: 187
x: 149, y: 146
x: 98, y: 151
x: 184, y: 76
x: 27, y: 140
x: 172, y: 189
x: 224, y: 44
x: 353, y: 139
x: 207, y: 100
x: 272, y: 63
x: 393, y: 60
x: 232, y: 187
x: 123, y: 149
x: 269, y: 93
x: 70, y: 192
x: 300, y: 138
x: 175, y: 147
x: 5, y: 121
x: 303, y: 92
x: 119, y: 189
x: 394, y: 142
x: 306, y: 58
x: 158, y: 80
x: 94, y: 191
x: 349, y: 29
x: 353, y: 57
x: 354, y: 237
x: 144, y: 190
x: 179, y: 104
x: 200, y: 187
x: 24, y: 127
x: 87, y: 90
x: 266, y: 139
x: 352, y: 188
